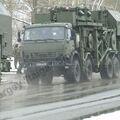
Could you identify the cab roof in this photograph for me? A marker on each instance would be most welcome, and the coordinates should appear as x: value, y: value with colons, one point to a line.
x: 68, y: 25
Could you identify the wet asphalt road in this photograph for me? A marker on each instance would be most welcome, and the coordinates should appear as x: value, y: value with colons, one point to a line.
x: 15, y: 93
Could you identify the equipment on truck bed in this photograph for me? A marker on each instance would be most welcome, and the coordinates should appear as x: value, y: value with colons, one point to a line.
x: 73, y: 42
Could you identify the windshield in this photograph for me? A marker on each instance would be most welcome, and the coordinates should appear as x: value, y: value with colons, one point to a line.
x: 45, y: 33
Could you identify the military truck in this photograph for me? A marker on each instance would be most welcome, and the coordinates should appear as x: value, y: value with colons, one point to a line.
x: 71, y: 42
x: 5, y: 39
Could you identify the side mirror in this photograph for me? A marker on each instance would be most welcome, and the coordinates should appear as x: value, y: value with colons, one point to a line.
x: 19, y: 37
x: 68, y: 35
x: 77, y: 40
x: 73, y: 35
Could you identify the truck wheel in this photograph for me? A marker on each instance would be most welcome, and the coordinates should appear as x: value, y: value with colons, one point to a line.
x: 88, y: 69
x: 47, y: 78
x: 68, y: 77
x: 74, y: 72
x: 6, y: 66
x: 106, y: 70
x: 116, y: 67
x: 31, y: 78
x: 0, y: 79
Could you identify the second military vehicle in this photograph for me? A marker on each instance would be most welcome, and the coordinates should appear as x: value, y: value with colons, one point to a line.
x: 73, y: 42
x: 5, y: 39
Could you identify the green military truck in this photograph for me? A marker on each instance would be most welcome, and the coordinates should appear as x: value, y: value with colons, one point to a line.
x: 5, y: 39
x: 72, y: 42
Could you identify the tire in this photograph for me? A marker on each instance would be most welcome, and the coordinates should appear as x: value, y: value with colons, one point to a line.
x: 31, y: 77
x: 0, y: 79
x: 116, y: 67
x: 6, y: 67
x: 106, y: 70
x: 88, y: 70
x: 68, y: 77
x: 47, y: 78
x: 74, y: 72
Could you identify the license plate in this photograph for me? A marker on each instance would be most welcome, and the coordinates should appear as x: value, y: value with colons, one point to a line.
x: 41, y: 64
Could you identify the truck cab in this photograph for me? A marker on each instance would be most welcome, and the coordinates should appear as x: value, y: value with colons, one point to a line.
x: 49, y: 46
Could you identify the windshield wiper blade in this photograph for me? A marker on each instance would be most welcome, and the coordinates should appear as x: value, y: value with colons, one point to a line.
x: 51, y: 39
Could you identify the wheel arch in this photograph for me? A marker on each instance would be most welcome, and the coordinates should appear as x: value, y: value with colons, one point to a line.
x: 74, y: 55
x: 88, y: 55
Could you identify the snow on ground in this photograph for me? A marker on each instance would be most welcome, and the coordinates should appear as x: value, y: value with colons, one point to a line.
x: 108, y: 116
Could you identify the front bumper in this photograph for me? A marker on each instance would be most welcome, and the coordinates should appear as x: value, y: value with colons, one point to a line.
x: 44, y: 64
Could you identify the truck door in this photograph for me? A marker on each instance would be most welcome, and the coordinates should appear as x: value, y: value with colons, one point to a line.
x: 0, y: 54
x: 0, y: 46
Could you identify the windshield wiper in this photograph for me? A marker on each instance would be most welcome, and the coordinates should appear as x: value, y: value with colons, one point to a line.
x: 49, y: 39
x: 46, y: 40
